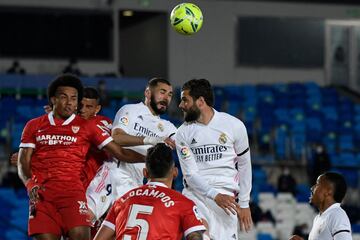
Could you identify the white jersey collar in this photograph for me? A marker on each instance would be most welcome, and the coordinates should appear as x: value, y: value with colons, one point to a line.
x: 66, y: 122
x: 213, y: 119
x: 157, y: 184
x: 148, y: 111
x: 335, y: 205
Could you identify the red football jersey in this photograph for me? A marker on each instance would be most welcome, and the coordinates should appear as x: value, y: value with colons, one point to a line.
x: 60, y: 147
x: 153, y: 211
x: 95, y: 157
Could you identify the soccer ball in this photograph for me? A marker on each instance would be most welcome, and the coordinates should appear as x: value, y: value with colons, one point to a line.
x: 186, y: 18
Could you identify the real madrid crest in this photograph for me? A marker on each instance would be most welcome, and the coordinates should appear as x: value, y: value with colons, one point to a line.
x: 222, y: 138
x: 160, y: 127
x: 75, y: 129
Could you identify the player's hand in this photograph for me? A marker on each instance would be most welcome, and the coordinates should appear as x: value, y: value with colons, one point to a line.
x: 148, y: 140
x: 14, y: 159
x: 227, y: 203
x: 170, y: 143
x: 33, y: 190
x: 295, y: 237
x: 245, y: 220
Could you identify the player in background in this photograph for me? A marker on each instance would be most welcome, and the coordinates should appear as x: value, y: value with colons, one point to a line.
x: 137, y: 126
x: 332, y: 221
x: 51, y: 157
x: 214, y: 155
x: 90, y: 107
x: 154, y: 210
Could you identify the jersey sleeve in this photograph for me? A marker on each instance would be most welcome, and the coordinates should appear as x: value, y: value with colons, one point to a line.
x: 172, y: 131
x: 110, y: 218
x: 340, y: 227
x: 122, y: 119
x: 99, y: 136
x: 28, y: 139
x: 189, y: 168
x: 243, y: 161
x: 190, y: 219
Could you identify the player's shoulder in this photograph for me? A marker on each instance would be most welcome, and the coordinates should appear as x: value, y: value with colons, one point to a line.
x: 179, y: 197
x: 227, y: 117
x: 102, y: 119
x: 132, y: 107
x: 168, y: 123
x: 185, y: 126
x: 41, y: 119
x: 337, y: 213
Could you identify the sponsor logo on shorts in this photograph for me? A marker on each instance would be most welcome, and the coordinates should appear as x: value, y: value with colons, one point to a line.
x: 82, y: 207
x: 185, y: 152
x: 124, y: 121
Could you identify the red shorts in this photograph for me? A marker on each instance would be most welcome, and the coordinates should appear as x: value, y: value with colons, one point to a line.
x: 58, y: 211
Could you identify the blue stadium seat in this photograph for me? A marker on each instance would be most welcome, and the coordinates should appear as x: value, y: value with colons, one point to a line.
x: 264, y: 236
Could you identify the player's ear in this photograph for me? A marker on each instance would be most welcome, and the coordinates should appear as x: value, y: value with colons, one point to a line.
x: 200, y: 101
x: 147, y: 93
x: 52, y: 100
x: 146, y: 173
x: 175, y: 172
x: 98, y: 108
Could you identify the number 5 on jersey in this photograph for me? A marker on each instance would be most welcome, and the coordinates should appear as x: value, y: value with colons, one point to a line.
x: 142, y: 224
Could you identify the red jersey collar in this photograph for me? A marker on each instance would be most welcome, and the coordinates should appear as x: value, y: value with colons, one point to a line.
x: 66, y: 122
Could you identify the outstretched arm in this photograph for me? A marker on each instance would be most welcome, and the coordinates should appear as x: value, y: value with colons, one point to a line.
x: 125, y: 155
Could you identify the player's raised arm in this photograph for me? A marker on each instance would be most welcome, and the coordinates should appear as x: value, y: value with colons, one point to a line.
x: 122, y: 154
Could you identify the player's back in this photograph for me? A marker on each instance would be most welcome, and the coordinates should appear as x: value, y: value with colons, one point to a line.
x: 154, y: 212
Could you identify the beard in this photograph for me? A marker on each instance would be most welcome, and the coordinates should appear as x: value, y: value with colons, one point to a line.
x: 192, y: 114
x: 153, y: 105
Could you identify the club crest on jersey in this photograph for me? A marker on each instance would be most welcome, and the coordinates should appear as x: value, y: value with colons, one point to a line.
x: 124, y: 120
x: 185, y: 152
x: 75, y: 129
x: 222, y: 138
x: 160, y: 127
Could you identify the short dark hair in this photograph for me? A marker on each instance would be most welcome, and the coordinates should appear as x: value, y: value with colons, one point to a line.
x: 91, y: 93
x: 200, y: 88
x: 153, y: 82
x: 339, y: 185
x: 159, y: 160
x: 65, y: 80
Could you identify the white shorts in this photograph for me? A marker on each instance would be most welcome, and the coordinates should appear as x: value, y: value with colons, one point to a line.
x: 99, y: 192
x: 221, y: 225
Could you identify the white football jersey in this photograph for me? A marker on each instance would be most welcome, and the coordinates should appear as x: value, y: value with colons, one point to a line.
x: 215, y: 156
x: 137, y: 120
x: 333, y: 223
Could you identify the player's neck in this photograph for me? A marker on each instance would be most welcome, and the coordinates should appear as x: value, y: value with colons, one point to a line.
x: 166, y: 181
x: 325, y: 205
x: 58, y: 116
x: 206, y: 115
x: 147, y: 103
